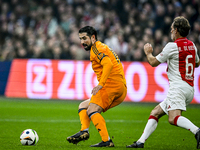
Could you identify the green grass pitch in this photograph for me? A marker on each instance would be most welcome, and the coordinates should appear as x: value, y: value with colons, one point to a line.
x: 54, y: 120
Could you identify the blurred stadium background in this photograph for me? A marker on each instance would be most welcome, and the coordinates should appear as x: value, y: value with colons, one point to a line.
x: 49, y: 28
x: 36, y: 36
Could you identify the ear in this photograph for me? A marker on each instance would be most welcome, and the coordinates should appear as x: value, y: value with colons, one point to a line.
x: 176, y: 30
x: 93, y: 38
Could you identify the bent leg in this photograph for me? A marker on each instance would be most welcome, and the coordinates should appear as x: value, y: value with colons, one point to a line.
x: 152, y: 123
x: 94, y: 113
x: 176, y: 119
x: 83, y: 134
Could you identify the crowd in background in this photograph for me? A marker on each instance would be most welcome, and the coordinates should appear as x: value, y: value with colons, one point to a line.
x: 49, y: 28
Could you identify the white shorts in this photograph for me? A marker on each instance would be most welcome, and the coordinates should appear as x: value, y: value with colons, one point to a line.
x: 178, y: 97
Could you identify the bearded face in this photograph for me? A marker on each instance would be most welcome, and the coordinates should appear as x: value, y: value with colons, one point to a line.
x: 87, y: 47
x: 85, y: 41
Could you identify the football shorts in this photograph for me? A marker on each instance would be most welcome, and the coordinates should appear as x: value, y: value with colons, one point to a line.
x: 111, y: 95
x: 178, y: 97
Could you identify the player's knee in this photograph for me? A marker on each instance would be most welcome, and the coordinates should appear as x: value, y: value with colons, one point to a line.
x: 84, y: 104
x: 157, y: 112
x: 91, y: 111
x: 171, y: 120
x: 81, y: 105
x: 154, y: 113
x: 94, y: 108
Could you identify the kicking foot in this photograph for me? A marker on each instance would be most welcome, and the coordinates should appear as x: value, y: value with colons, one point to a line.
x: 197, y: 136
x: 80, y: 136
x: 136, y: 145
x: 104, y: 144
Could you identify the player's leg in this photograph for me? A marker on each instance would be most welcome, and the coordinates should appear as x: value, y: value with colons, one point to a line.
x: 94, y: 112
x: 83, y: 134
x: 84, y: 119
x: 176, y: 119
x: 110, y: 96
x: 180, y: 97
x: 150, y: 127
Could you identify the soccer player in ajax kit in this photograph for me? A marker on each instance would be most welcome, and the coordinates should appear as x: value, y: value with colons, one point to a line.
x: 110, y: 91
x: 181, y: 57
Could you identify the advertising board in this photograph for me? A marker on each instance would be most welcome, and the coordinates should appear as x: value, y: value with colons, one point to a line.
x: 74, y: 80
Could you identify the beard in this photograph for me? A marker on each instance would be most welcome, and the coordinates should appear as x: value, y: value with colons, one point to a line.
x: 87, y: 47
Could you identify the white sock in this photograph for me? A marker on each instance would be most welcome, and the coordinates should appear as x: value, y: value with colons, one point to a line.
x: 187, y: 124
x: 149, y: 129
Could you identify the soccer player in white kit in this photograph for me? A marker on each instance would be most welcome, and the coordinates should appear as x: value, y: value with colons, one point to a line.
x: 181, y: 57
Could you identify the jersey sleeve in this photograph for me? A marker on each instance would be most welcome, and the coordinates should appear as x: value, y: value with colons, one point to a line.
x: 103, y: 63
x: 107, y: 67
x: 166, y: 52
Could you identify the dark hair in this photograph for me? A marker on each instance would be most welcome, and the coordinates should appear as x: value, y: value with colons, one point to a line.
x: 89, y: 30
x: 182, y: 25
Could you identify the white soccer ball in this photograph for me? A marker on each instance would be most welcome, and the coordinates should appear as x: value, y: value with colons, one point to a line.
x: 29, y: 137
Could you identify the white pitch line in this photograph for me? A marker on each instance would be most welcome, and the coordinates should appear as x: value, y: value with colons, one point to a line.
x: 65, y: 120
x: 69, y: 121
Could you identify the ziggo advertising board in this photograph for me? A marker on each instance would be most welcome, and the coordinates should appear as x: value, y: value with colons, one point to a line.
x: 64, y: 79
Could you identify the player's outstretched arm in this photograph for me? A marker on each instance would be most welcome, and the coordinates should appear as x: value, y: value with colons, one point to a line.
x: 151, y: 59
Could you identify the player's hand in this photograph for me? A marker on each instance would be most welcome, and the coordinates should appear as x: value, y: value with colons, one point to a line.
x: 148, y: 48
x: 96, y: 89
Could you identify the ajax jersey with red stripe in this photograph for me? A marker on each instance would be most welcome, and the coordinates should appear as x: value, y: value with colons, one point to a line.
x: 181, y: 56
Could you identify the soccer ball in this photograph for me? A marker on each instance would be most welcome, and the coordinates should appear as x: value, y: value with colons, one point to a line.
x: 29, y: 137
